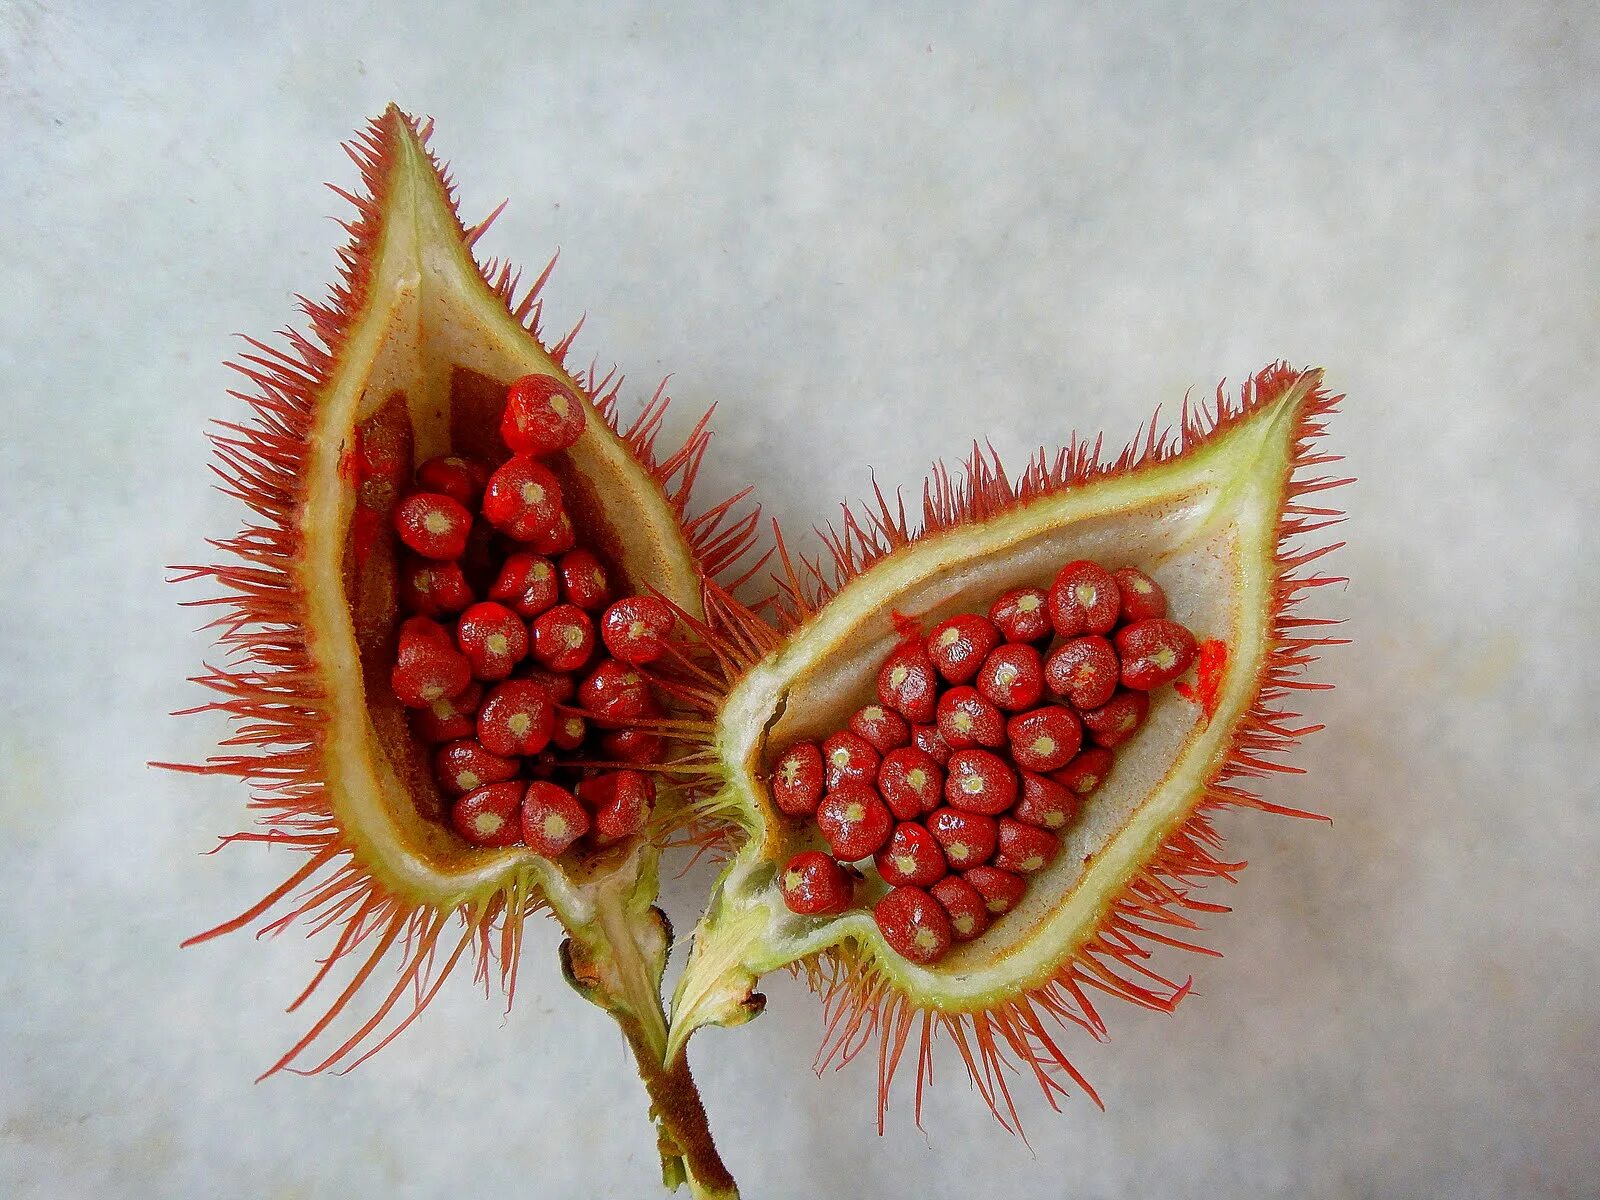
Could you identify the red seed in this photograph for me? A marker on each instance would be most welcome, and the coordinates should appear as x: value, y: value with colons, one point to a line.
x: 560, y: 538
x: 542, y: 416
x: 814, y: 885
x: 967, y: 719
x: 980, y: 782
x: 1024, y: 848
x: 594, y: 792
x: 912, y: 856
x: 911, y: 782
x: 552, y: 818
x: 797, y: 780
x: 1083, y: 670
x: 1044, y: 738
x: 1012, y: 677
x: 908, y: 683
x: 1142, y: 597
x: 465, y: 766
x: 462, y: 479
x: 1084, y: 599
x: 569, y: 731
x: 848, y: 758
x: 884, y: 728
x: 1001, y: 889
x: 423, y: 633
x: 434, y: 526
x: 563, y: 638
x: 449, y: 718
x: 433, y: 589
x: 1022, y: 614
x: 614, y: 691
x: 488, y: 816
x: 969, y: 917
x: 637, y: 746
x: 427, y: 666
x: 626, y: 809
x: 563, y: 688
x: 527, y: 584
x: 855, y: 822
x: 1117, y: 720
x: 967, y: 838
x: 523, y: 499
x: 516, y: 719
x: 1045, y: 802
x: 1154, y: 652
x: 493, y: 638
x: 914, y: 924
x: 583, y: 579
x: 635, y: 628
x: 1084, y: 774
x: 959, y: 645
x: 930, y: 741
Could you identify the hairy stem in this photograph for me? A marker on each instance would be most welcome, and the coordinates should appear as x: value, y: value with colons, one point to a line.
x: 615, y: 959
x: 683, y: 1134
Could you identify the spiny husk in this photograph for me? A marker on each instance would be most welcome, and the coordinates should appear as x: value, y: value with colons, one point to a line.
x: 1126, y: 880
x: 391, y: 887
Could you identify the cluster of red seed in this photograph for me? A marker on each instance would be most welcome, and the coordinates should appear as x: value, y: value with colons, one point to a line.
x: 988, y: 733
x: 516, y: 691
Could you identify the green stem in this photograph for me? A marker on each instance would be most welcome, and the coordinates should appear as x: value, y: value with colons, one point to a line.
x: 614, y: 956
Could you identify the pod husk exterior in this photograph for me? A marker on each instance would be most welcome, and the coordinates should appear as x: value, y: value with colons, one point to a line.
x: 414, y: 321
x: 1233, y: 486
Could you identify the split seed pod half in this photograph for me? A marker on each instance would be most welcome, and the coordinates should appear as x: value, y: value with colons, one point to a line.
x: 1217, y: 513
x: 410, y: 359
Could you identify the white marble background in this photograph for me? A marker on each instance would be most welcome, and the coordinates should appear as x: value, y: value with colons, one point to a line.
x: 867, y: 237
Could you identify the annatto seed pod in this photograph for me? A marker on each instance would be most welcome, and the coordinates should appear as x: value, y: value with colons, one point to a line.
x: 409, y: 364
x: 1093, y: 863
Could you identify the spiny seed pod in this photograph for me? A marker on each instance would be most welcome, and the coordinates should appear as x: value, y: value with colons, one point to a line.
x: 407, y: 366
x: 1089, y: 862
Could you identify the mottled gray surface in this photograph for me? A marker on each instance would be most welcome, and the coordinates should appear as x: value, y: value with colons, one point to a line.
x: 867, y: 238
